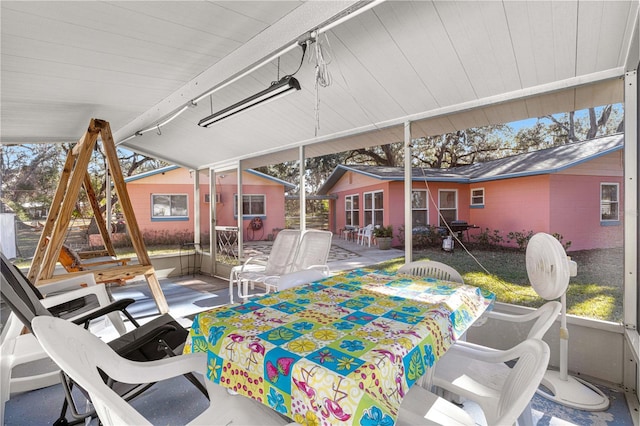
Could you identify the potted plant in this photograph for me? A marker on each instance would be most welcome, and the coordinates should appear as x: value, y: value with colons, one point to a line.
x: 384, y: 236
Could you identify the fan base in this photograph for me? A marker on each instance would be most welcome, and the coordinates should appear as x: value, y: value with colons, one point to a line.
x: 573, y: 392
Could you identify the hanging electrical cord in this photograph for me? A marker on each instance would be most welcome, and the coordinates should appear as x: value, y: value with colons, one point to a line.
x: 455, y: 236
x: 322, y: 76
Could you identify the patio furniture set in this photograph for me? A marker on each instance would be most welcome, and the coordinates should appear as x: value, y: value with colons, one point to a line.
x: 351, y: 348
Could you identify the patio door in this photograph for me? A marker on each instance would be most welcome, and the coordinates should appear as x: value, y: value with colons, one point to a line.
x: 226, y: 238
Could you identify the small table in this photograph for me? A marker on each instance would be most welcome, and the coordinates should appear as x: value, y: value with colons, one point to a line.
x: 343, y: 350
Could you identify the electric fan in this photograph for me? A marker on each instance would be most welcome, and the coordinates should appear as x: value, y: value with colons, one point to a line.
x: 549, y: 270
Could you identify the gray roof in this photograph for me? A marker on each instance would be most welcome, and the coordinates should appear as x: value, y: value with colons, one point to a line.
x: 174, y: 167
x: 545, y: 161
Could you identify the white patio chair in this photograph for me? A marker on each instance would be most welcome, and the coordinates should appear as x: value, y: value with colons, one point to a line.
x: 257, y: 268
x: 433, y: 269
x: 502, y: 398
x: 542, y: 319
x: 71, y: 300
x: 80, y: 354
x: 365, y: 233
x: 312, y: 253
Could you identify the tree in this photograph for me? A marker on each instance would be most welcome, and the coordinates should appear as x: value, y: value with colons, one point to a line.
x: 462, y: 148
x: 31, y: 172
x: 559, y: 129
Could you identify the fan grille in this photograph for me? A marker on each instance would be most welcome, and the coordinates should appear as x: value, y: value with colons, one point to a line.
x: 547, y: 266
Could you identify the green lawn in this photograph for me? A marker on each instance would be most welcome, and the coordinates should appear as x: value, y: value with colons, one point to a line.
x: 596, y: 292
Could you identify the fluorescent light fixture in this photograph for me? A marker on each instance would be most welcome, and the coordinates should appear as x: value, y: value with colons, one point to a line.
x: 286, y: 85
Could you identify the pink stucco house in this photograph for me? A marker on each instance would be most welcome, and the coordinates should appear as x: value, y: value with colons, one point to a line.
x: 574, y: 190
x: 163, y: 200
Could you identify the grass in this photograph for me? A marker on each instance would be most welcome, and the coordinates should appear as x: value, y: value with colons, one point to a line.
x: 596, y: 292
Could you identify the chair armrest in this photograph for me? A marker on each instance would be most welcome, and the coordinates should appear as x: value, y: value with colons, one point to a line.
x: 71, y: 283
x: 501, y: 316
x: 491, y: 356
x: 104, y: 300
x: 255, y: 261
x: 154, y: 371
x: 119, y: 305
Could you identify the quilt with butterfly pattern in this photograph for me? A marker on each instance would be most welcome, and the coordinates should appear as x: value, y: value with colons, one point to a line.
x: 342, y: 350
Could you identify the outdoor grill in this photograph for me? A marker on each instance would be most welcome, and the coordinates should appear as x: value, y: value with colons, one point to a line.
x: 458, y: 227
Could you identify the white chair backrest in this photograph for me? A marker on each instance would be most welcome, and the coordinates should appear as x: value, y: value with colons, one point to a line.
x: 522, y: 382
x: 313, y: 250
x: 432, y: 269
x: 283, y: 252
x: 79, y: 353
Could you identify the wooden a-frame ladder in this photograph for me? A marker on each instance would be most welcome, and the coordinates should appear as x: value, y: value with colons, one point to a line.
x: 74, y: 176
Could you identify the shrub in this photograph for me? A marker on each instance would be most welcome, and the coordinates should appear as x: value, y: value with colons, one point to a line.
x: 383, y: 231
x: 521, y: 238
x: 428, y: 236
x: 559, y: 237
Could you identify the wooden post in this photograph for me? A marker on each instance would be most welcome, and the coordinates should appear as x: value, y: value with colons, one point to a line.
x: 129, y: 215
x: 100, y: 222
x: 38, y: 256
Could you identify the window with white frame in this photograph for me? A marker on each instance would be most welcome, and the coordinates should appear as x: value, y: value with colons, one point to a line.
x: 373, y: 208
x: 609, y: 204
x: 477, y: 197
x: 352, y: 210
x: 448, y: 205
x: 419, y: 209
x: 169, y: 206
x: 252, y: 205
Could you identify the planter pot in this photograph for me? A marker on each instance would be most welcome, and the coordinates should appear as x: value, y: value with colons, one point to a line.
x: 384, y: 243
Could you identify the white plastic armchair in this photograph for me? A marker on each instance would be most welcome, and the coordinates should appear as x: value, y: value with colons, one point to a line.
x: 503, y: 398
x: 257, y: 268
x: 312, y: 253
x: 433, y: 269
x: 365, y: 233
x: 18, y: 348
x: 80, y: 354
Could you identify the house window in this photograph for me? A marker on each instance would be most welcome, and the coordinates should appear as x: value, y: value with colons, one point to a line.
x: 477, y: 197
x: 419, y: 210
x: 169, y: 207
x: 609, y: 210
x: 352, y: 210
x: 448, y: 205
x: 252, y: 205
x: 373, y: 208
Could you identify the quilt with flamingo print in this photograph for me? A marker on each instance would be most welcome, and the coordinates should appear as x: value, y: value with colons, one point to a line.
x: 342, y: 350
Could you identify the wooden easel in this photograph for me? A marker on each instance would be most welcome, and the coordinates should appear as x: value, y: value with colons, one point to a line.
x: 74, y: 176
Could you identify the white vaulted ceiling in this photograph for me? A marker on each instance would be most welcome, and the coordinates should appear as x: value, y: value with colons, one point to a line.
x: 444, y: 65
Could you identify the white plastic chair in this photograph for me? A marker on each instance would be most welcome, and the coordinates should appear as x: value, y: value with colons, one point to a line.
x: 433, y: 269
x: 542, y: 318
x: 502, y: 398
x: 257, y: 268
x: 365, y: 233
x: 80, y: 354
x: 18, y: 349
x: 312, y: 253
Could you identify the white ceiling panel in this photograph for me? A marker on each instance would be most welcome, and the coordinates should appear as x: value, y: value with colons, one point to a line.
x: 446, y: 65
